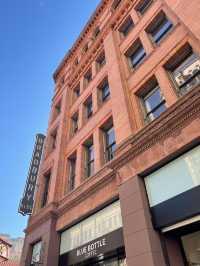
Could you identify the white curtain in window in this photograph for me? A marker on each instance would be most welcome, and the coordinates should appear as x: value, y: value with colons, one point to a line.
x: 174, y: 178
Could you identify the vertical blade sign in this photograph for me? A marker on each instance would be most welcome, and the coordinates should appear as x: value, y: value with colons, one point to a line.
x: 27, y: 202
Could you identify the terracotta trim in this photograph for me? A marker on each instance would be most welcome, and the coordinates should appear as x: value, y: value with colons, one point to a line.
x: 112, y: 20
x: 184, y: 110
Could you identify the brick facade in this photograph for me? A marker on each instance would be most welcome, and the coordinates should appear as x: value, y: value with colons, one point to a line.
x: 140, y: 146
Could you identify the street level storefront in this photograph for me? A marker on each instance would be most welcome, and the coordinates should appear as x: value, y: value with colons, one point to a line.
x: 174, y: 198
x: 97, y: 240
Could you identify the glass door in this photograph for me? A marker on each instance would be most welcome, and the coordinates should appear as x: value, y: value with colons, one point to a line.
x: 191, y: 246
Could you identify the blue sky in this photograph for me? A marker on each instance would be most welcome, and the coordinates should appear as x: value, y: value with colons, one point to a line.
x: 34, y: 37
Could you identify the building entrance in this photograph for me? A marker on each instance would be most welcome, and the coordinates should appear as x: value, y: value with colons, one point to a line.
x: 191, y: 247
x: 112, y: 259
x: 112, y: 262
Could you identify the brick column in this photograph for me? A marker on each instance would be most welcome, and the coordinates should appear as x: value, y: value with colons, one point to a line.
x: 134, y: 16
x: 188, y: 12
x: 94, y: 69
x: 95, y: 100
x: 166, y: 87
x: 55, y: 189
x: 50, y: 244
x: 79, y: 165
x: 98, y: 148
x: 117, y: 88
x: 26, y: 253
x: 147, y: 44
x: 81, y: 117
x: 142, y: 242
x: 53, y: 248
x: 174, y: 251
x: 82, y: 84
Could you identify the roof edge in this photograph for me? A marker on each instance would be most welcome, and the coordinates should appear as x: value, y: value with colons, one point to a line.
x: 71, y: 50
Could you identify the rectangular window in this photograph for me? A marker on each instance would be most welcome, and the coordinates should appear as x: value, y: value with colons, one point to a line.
x: 57, y: 110
x: 53, y: 140
x: 104, y: 90
x: 191, y: 246
x: 97, y: 225
x: 85, y: 48
x: 184, y: 69
x: 72, y: 173
x: 116, y: 3
x: 159, y: 27
x: 36, y: 253
x: 101, y: 61
x: 173, y: 179
x: 89, y: 107
x: 96, y: 32
x: 136, y: 54
x: 89, y: 154
x: 77, y: 92
x: 46, y: 189
x: 126, y: 27
x: 74, y: 123
x: 110, y: 143
x: 76, y: 62
x: 88, y: 77
x: 153, y: 102
x: 143, y: 6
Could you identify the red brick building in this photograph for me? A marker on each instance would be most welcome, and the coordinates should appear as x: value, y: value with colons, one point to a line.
x: 5, y: 260
x: 119, y: 181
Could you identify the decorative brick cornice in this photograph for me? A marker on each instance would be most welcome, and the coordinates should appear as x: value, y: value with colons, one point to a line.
x: 176, y: 117
x: 97, y: 45
x: 97, y: 13
x: 181, y: 113
x: 47, y: 162
x: 122, y: 12
x: 113, y: 22
x: 86, y: 189
x: 86, y: 61
x: 43, y: 216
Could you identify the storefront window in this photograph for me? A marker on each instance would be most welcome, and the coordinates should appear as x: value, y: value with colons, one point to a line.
x: 176, y: 177
x: 122, y: 262
x: 103, y: 222
x: 36, y: 253
x: 191, y: 246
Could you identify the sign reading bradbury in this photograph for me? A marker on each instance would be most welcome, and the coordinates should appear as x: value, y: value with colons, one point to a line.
x: 26, y: 203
